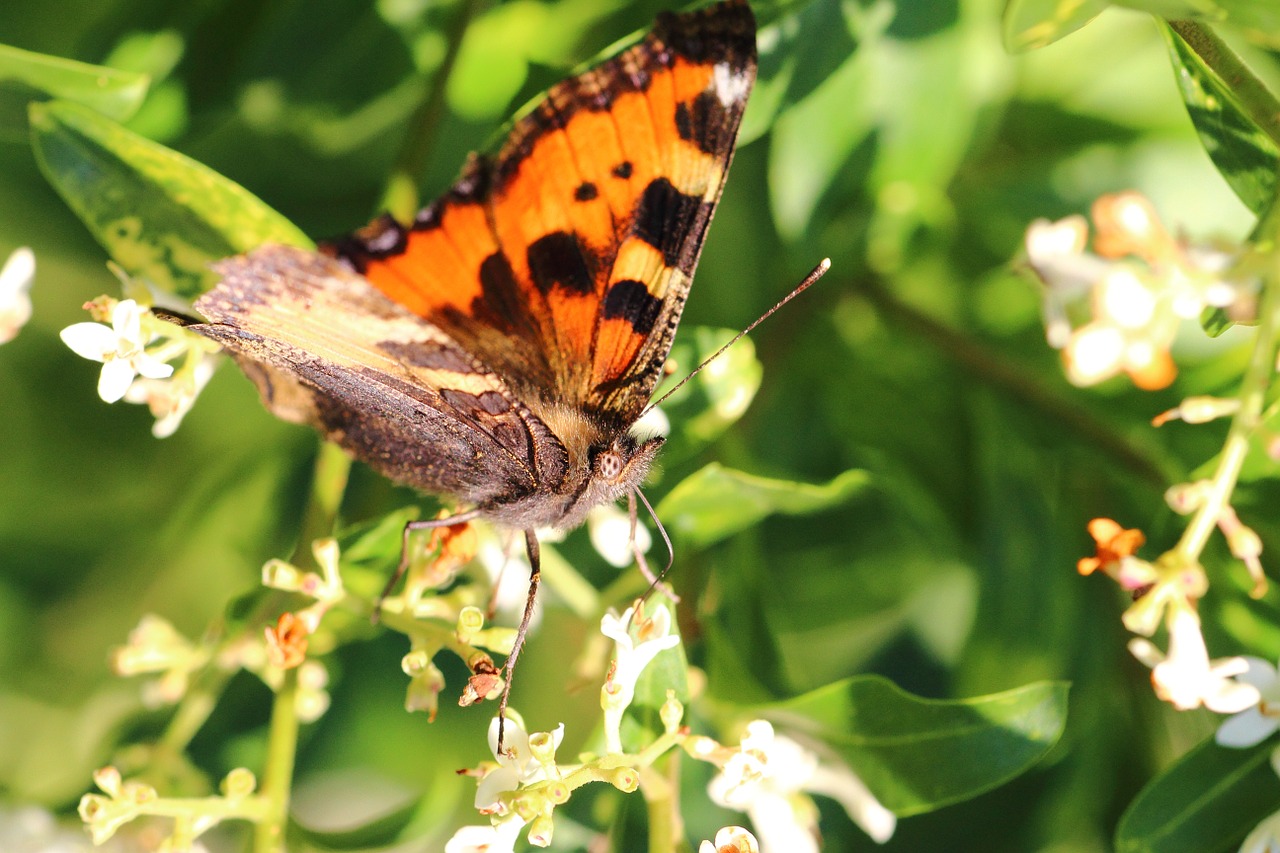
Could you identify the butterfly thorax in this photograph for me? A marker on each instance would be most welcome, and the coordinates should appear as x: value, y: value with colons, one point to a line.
x: 599, y: 465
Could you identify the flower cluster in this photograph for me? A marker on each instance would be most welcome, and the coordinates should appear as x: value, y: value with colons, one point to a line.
x: 121, y: 802
x: 137, y: 351
x: 1139, y: 283
x: 767, y: 775
x: 1167, y: 592
x: 771, y: 776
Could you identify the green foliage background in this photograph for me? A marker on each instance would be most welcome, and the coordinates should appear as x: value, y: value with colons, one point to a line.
x: 901, y: 140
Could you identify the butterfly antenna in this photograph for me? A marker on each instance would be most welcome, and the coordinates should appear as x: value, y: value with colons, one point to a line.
x: 818, y: 272
x: 671, y: 551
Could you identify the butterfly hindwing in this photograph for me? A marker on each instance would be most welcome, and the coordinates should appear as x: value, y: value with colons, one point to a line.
x: 328, y: 349
x: 564, y: 261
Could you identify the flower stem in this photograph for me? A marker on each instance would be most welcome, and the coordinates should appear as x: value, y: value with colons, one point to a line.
x: 328, y: 483
x: 282, y: 744
x: 1253, y: 392
x: 1254, y: 97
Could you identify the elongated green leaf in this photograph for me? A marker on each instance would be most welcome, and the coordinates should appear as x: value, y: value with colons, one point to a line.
x: 162, y: 216
x: 27, y: 76
x: 1247, y: 158
x: 1030, y: 24
x: 353, y: 810
x: 918, y: 754
x: 1206, y: 801
x: 716, y: 502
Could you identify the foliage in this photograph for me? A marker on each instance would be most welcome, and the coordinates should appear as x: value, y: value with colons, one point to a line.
x: 891, y: 487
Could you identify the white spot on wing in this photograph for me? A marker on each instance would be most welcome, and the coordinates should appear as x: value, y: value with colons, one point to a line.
x: 730, y: 87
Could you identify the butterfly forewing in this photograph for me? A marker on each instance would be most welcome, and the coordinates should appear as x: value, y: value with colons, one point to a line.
x: 564, y: 261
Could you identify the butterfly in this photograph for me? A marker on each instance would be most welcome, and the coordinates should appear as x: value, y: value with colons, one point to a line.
x: 500, y: 348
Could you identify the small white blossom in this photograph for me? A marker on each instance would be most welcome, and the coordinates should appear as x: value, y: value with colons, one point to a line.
x: 731, y: 839
x: 1254, y: 725
x: 610, y: 532
x: 516, y: 763
x: 15, y: 283
x: 499, y: 837
x: 1265, y: 837
x: 769, y: 778
x: 119, y: 347
x: 1186, y: 678
x: 170, y: 399
x: 630, y: 658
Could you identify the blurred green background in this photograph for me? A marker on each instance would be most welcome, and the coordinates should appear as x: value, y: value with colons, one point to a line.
x: 901, y: 140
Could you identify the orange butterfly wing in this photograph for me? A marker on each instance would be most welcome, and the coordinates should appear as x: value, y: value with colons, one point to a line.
x: 563, y: 262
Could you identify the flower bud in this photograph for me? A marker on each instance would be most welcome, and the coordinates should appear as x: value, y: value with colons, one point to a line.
x: 541, y: 830
x: 625, y: 779
x: 239, y: 783
x: 671, y: 713
x: 470, y: 622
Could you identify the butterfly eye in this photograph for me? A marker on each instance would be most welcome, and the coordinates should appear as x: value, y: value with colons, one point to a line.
x: 609, y: 464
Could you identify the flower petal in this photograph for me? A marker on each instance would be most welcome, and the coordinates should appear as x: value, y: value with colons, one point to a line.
x: 17, y: 273
x: 1247, y: 728
x: 93, y: 341
x: 117, y: 375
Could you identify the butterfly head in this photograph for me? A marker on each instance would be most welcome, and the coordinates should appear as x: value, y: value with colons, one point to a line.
x: 616, y: 469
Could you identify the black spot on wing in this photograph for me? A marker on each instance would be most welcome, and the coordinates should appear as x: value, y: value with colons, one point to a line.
x: 705, y: 122
x: 623, y: 170
x: 560, y: 260
x: 586, y: 191
x: 630, y: 300
x: 663, y: 219
x: 499, y: 299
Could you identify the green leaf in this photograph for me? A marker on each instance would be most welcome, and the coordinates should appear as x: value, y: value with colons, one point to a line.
x: 1208, y: 800
x: 162, y: 216
x: 715, y: 398
x: 1247, y: 158
x: 716, y: 502
x: 1031, y: 24
x: 918, y: 754
x: 27, y: 76
x: 353, y: 810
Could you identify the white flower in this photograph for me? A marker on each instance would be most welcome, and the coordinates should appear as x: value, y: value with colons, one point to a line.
x: 1186, y: 678
x: 768, y: 779
x: 1254, y: 725
x: 1265, y: 837
x: 499, y: 837
x: 516, y: 764
x: 15, y: 282
x: 119, y: 348
x: 654, y: 636
x: 610, y: 532
x: 170, y: 399
x: 630, y: 659
x: 731, y: 839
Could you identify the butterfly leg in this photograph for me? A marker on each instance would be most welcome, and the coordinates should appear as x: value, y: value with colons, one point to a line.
x: 535, y: 575
x: 410, y: 527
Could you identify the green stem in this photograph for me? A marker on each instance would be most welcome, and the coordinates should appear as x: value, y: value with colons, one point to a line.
x: 659, y: 799
x: 400, y: 198
x: 1254, y: 97
x: 282, y: 745
x: 1253, y: 392
x: 328, y: 484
